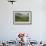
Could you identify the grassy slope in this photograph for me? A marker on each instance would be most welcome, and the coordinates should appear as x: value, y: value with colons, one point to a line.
x: 21, y: 18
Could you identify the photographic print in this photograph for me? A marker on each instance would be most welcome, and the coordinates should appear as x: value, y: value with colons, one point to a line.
x: 22, y: 17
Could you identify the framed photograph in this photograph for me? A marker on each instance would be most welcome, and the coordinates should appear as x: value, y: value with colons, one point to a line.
x: 22, y: 17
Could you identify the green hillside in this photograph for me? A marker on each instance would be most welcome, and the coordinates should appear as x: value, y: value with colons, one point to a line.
x: 21, y: 18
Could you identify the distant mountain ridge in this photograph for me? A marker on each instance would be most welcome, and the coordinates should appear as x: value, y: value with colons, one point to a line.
x: 20, y: 14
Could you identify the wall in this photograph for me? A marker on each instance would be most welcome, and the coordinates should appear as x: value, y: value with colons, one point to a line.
x: 9, y: 31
